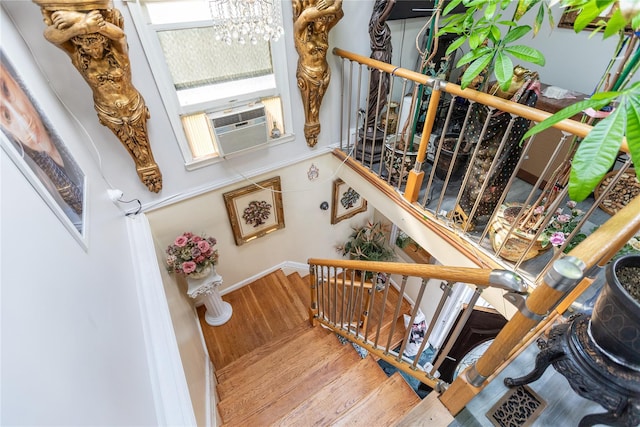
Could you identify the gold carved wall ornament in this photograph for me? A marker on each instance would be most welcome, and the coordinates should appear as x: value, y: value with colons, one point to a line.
x: 91, y: 32
x: 311, y: 24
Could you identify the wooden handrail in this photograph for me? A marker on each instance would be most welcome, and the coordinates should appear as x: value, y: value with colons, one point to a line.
x: 596, y: 249
x: 568, y: 125
x: 478, y: 276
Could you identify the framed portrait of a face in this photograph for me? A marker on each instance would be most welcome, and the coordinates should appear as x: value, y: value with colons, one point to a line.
x: 346, y: 202
x: 255, y: 210
x: 29, y: 139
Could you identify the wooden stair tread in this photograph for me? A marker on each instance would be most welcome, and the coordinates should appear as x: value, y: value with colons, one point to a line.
x: 337, y: 397
x: 302, y: 287
x: 262, y: 311
x: 384, y: 406
x: 299, y: 346
x: 430, y: 412
x: 269, y: 384
x: 258, y: 355
x: 328, y: 373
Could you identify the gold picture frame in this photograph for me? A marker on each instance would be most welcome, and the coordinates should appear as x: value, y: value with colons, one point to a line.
x: 255, y: 210
x: 346, y: 202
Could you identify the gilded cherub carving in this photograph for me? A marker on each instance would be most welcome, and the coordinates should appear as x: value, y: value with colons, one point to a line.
x: 312, y: 23
x: 91, y: 33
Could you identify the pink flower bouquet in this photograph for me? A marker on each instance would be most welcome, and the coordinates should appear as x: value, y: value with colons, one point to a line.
x: 190, y: 254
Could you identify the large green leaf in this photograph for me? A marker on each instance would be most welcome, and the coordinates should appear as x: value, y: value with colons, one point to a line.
x: 503, y: 70
x: 615, y: 24
x: 552, y: 23
x: 455, y: 45
x: 537, y: 24
x: 473, y: 55
x: 526, y: 53
x: 478, y: 37
x: 490, y: 10
x: 590, y: 11
x: 495, y: 33
x: 633, y: 130
x: 475, y: 68
x: 523, y: 7
x: 567, y: 112
x: 450, y: 6
x: 516, y: 33
x: 596, y: 154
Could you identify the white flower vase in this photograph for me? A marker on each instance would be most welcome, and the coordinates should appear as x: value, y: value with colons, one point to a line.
x: 202, y: 274
x: 206, y: 285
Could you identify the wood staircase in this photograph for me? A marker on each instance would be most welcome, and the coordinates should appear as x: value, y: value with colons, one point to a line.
x: 273, y: 368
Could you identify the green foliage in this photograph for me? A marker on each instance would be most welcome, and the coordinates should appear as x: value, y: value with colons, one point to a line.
x: 368, y: 243
x: 491, y: 38
x: 597, y: 152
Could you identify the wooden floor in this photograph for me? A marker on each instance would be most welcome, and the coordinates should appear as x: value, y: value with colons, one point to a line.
x: 262, y: 311
x: 273, y: 368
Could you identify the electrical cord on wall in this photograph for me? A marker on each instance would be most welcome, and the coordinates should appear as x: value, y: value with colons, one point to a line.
x: 95, y: 153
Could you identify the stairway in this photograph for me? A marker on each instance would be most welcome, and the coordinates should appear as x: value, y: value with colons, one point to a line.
x: 297, y: 374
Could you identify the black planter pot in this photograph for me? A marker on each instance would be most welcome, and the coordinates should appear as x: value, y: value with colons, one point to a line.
x: 615, y: 321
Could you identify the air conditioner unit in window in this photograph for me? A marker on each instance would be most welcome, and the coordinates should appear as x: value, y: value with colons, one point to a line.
x: 240, y: 129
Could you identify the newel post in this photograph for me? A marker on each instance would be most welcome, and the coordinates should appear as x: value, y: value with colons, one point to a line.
x: 416, y: 175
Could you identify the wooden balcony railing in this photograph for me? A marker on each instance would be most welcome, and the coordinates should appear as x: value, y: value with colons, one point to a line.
x: 554, y: 280
x: 353, y: 298
x: 473, y: 203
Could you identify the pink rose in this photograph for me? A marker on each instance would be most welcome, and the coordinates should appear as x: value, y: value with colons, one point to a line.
x: 181, y: 241
x: 539, y: 210
x: 188, y: 267
x: 197, y: 238
x: 564, y: 218
x: 187, y: 235
x: 571, y: 204
x: 203, y: 245
x: 557, y: 238
x: 200, y: 259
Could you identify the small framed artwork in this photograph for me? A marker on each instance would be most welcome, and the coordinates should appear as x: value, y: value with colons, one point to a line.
x: 29, y: 139
x: 346, y: 202
x: 255, y: 210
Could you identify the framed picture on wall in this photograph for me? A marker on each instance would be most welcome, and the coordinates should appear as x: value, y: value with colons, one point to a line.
x: 255, y: 210
x: 346, y: 202
x: 29, y: 139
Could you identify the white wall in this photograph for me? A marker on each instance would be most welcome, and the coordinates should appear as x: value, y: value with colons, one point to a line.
x: 308, y: 231
x: 73, y: 350
x: 567, y: 66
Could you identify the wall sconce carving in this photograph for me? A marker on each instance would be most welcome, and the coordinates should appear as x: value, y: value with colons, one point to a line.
x: 311, y: 24
x: 91, y: 33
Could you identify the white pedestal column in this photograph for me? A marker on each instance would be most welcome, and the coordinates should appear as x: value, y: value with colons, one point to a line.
x: 218, y: 311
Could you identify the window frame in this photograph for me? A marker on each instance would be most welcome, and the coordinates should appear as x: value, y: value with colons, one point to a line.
x: 164, y: 82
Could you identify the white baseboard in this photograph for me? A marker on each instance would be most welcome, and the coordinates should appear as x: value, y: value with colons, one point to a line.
x: 287, y: 266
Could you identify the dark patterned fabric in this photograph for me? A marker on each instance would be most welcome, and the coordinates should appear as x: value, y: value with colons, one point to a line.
x: 506, y: 159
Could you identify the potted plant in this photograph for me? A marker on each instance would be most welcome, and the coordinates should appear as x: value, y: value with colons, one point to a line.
x: 368, y: 243
x: 617, y: 101
x: 192, y: 255
x: 615, y: 319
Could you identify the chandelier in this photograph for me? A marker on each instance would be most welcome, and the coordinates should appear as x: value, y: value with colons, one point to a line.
x: 246, y: 20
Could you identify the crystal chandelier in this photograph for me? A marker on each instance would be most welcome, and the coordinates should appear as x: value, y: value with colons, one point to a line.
x: 246, y: 20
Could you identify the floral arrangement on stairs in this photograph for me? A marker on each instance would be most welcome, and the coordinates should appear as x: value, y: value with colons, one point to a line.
x: 192, y: 255
x: 561, y: 226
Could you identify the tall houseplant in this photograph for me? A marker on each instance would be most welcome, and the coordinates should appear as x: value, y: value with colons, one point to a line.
x: 597, y: 152
x: 489, y: 54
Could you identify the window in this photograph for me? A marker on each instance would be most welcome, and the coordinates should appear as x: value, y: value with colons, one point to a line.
x: 199, y: 75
